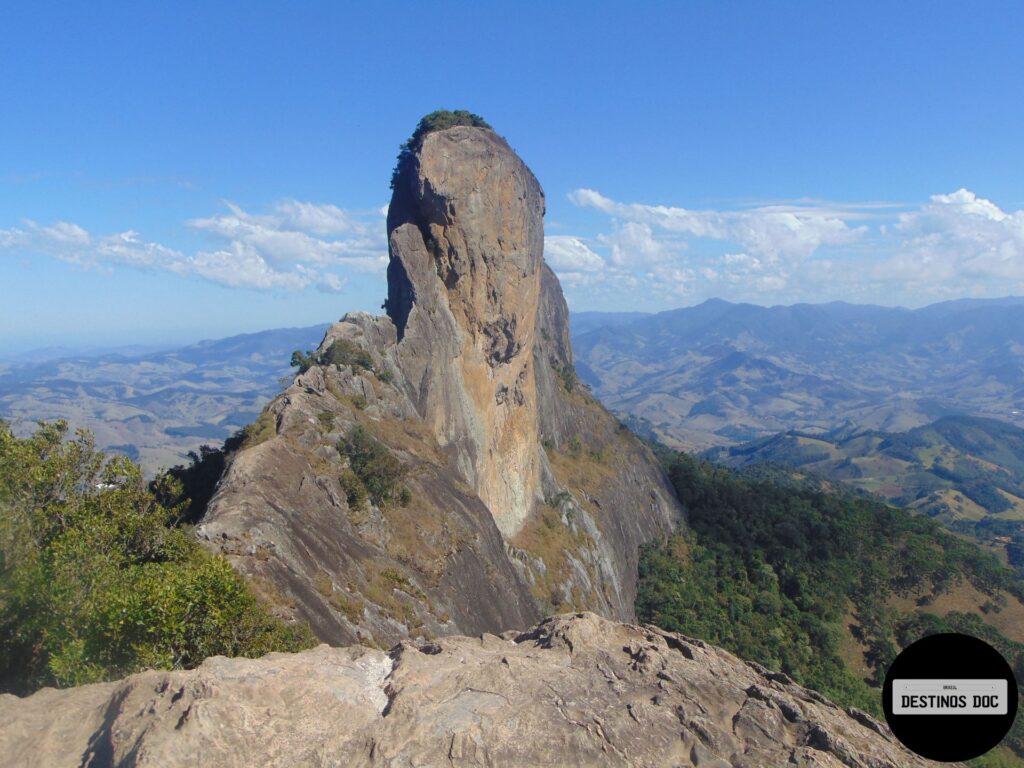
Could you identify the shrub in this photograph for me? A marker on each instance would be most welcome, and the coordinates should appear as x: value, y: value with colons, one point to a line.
x: 405, y: 496
x: 355, y: 491
x: 373, y: 465
x: 345, y: 352
x: 567, y: 375
x: 341, y: 352
x: 96, y: 582
x: 303, y: 360
x: 197, y: 482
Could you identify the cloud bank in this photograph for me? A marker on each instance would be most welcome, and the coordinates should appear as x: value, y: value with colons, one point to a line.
x: 294, y: 246
x: 637, y: 256
x: 954, y: 245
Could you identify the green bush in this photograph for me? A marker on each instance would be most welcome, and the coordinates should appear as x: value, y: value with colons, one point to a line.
x: 341, y: 352
x: 345, y: 352
x: 303, y: 360
x: 568, y: 377
x: 373, y: 466
x: 95, y: 582
x: 196, y: 483
x: 355, y: 491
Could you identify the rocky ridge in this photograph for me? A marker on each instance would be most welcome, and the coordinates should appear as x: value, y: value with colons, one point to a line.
x: 522, y: 495
x: 576, y: 690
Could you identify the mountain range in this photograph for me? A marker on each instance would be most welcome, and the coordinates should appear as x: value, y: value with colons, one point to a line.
x: 722, y: 373
x: 717, y: 374
x: 154, y: 406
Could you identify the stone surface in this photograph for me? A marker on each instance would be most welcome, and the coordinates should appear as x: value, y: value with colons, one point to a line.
x: 576, y: 690
x: 527, y: 497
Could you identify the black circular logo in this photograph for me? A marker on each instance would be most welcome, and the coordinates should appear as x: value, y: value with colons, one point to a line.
x: 950, y: 697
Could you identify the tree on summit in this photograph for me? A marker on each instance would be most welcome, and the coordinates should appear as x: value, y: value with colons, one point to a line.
x: 438, y: 120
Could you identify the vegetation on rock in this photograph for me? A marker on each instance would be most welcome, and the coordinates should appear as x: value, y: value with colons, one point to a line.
x: 345, y: 352
x: 97, y: 582
x: 341, y: 352
x: 374, y: 472
x: 435, y: 121
x: 192, y: 485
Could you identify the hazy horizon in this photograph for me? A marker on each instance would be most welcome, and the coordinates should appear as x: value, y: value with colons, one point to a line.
x: 162, y: 341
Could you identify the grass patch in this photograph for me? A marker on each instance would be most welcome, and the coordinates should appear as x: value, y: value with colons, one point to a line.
x: 261, y: 430
x: 349, y: 608
x: 548, y: 538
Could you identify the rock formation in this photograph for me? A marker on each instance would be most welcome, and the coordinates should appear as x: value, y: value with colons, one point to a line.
x: 467, y: 238
x: 574, y: 691
x: 522, y: 495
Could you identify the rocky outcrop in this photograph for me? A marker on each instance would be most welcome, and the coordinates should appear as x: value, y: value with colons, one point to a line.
x: 522, y: 495
x: 576, y: 690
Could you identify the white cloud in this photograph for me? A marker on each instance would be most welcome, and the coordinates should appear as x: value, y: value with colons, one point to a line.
x: 777, y: 231
x: 965, y: 236
x: 955, y: 244
x: 633, y: 243
x: 314, y: 218
x: 287, y: 248
x: 11, y: 237
x: 565, y: 253
x: 288, y: 236
x: 65, y: 232
x: 671, y: 281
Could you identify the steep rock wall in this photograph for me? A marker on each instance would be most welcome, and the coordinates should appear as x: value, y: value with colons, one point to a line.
x: 466, y: 238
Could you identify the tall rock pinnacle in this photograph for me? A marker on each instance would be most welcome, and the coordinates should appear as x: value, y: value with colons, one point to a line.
x: 466, y: 238
x: 440, y: 469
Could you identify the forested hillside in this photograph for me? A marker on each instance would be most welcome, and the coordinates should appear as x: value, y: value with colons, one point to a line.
x: 965, y: 472
x: 826, y: 586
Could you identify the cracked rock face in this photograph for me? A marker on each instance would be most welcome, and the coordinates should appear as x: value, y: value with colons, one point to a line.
x: 576, y: 690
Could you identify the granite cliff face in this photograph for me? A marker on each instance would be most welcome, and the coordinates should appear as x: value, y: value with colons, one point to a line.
x: 467, y: 239
x: 523, y: 495
x: 576, y: 690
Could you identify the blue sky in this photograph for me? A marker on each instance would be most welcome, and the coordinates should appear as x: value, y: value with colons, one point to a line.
x: 170, y: 172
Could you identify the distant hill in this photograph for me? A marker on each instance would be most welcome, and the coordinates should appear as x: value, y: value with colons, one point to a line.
x: 154, y: 406
x: 583, y: 322
x: 967, y: 472
x: 722, y: 373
